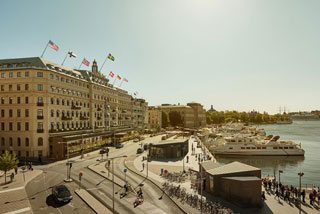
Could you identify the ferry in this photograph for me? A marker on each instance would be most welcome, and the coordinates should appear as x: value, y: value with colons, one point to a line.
x: 269, y: 146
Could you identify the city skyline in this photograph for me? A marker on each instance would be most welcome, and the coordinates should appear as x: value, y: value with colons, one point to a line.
x: 232, y: 55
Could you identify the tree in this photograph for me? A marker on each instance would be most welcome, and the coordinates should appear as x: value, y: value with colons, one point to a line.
x: 7, y: 162
x: 164, y: 119
x: 175, y: 118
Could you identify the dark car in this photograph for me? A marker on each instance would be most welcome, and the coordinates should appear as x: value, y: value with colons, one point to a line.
x: 139, y: 151
x: 104, y: 150
x: 146, y: 146
x: 61, y: 194
x: 119, y: 145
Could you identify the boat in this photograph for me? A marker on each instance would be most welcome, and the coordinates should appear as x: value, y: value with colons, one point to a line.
x: 254, y: 146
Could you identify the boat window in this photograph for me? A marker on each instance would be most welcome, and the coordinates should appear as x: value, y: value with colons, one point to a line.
x: 275, y: 147
x: 264, y: 147
x: 240, y: 141
x: 247, y: 147
x: 230, y: 147
x: 285, y: 147
x: 290, y: 147
x: 280, y: 147
x: 258, y: 147
x: 233, y: 140
x: 243, y: 148
x: 253, y: 147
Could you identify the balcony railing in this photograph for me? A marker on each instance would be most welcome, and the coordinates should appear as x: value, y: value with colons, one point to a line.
x: 76, y: 107
x: 40, y: 104
x: 40, y: 117
x: 84, y: 118
x: 99, y: 109
x: 40, y: 130
x: 66, y: 118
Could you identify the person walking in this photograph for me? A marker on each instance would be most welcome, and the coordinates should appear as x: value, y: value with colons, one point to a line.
x: 263, y: 196
x: 12, y: 177
x: 142, y: 166
x: 277, y: 194
x: 303, y: 194
x: 310, y: 198
x: 16, y: 169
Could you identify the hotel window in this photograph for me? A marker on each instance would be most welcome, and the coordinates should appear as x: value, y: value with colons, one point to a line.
x: 26, y: 87
x: 10, y: 113
x: 39, y: 74
x: 3, y: 141
x: 62, y: 79
x: 57, y: 77
x: 51, y: 76
x: 40, y: 87
x: 40, y: 112
x: 18, y: 87
x: 10, y: 141
x: 52, y: 101
x: 40, y: 141
x: 19, y: 74
x: 2, y: 126
x: 18, y: 112
x: 26, y: 74
x: 27, y: 142
x: 10, y: 126
x: 26, y: 112
x: 10, y: 87
x: 52, y: 113
x: 10, y: 74
x: 18, y: 126
x: 26, y: 100
x: 58, y: 101
x: 10, y: 100
x: 18, y: 100
x: 2, y: 100
x: 40, y: 126
x: 26, y: 126
x: 40, y: 100
x: 2, y: 88
x: 3, y: 75
x: 2, y: 113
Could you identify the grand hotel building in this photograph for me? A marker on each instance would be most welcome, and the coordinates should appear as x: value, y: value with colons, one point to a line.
x: 49, y: 110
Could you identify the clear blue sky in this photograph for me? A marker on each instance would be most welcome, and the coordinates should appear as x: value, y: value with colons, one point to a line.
x: 236, y: 55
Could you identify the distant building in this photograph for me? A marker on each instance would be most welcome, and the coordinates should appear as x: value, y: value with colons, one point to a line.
x: 193, y: 114
x: 211, y: 109
x: 154, y: 117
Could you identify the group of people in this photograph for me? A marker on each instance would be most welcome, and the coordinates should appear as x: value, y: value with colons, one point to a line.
x: 288, y: 192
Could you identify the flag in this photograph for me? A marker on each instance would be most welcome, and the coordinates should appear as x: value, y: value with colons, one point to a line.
x: 85, y: 62
x: 53, y: 46
x: 111, y: 74
x: 125, y: 79
x: 71, y: 54
x: 110, y: 57
x: 118, y: 77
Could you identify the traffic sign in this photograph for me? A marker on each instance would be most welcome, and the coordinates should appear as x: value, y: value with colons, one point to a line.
x: 125, y: 170
x: 80, y: 175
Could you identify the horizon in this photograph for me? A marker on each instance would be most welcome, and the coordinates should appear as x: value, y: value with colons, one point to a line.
x: 239, y: 56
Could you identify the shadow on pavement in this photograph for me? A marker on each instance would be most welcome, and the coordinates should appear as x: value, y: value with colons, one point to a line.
x: 50, y: 201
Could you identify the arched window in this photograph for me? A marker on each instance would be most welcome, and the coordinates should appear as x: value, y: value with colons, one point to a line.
x: 52, y: 125
x: 58, y: 113
x: 58, y: 101
x: 3, y: 141
x: 68, y: 102
x: 40, y: 141
x: 63, y: 114
x: 40, y: 100
x: 52, y: 113
x: 19, y: 141
x: 58, y: 125
x: 62, y: 125
x: 27, y: 142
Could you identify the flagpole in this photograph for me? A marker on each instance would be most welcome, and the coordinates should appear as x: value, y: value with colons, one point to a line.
x: 108, y: 75
x: 121, y: 82
x: 80, y: 66
x: 103, y: 64
x: 44, y: 49
x: 114, y: 80
x: 65, y: 57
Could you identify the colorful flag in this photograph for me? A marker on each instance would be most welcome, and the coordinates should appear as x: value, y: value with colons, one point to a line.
x: 110, y: 57
x: 71, y: 54
x: 53, y: 46
x: 118, y: 77
x: 111, y: 74
x: 85, y: 62
x: 125, y: 79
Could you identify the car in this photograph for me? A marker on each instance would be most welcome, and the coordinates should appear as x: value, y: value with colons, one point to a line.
x: 139, y: 151
x: 119, y: 145
x: 136, y: 140
x: 104, y: 150
x: 61, y: 194
x: 146, y: 146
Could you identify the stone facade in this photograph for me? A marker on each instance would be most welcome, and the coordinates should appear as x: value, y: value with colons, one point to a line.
x: 154, y: 117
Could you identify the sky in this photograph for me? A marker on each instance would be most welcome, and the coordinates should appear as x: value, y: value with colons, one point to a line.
x: 234, y: 55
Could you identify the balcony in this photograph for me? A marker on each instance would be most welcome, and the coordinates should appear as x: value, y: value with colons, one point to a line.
x: 40, y: 130
x: 84, y: 118
x: 75, y: 107
x: 40, y: 104
x: 40, y: 117
x: 99, y: 109
x: 66, y: 118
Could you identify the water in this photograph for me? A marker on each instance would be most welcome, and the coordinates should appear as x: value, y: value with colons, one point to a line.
x: 305, y: 132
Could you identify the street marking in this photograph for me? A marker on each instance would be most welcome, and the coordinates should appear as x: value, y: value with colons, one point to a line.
x: 19, y: 211
x: 13, y: 189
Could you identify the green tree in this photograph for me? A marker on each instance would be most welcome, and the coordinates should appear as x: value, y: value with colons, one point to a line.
x: 175, y: 118
x: 164, y: 119
x: 7, y: 162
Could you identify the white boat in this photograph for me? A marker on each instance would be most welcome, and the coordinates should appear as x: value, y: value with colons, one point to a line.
x: 255, y: 147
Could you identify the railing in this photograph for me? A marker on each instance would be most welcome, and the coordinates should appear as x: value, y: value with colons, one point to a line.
x: 40, y: 130
x: 40, y: 117
x: 40, y: 104
x: 75, y: 107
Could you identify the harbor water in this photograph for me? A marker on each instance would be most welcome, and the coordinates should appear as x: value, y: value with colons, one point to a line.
x: 305, y: 132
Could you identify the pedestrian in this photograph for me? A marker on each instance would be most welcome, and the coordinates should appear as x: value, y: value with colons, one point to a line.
x: 263, y: 195
x: 277, y: 194
x: 310, y: 198
x: 303, y: 194
x: 142, y: 166
x: 16, y: 169
x: 12, y: 177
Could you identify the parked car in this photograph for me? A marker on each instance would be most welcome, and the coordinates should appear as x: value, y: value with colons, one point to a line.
x: 119, y: 145
x: 61, y: 194
x: 136, y: 140
x: 146, y: 146
x: 139, y: 151
x: 104, y: 150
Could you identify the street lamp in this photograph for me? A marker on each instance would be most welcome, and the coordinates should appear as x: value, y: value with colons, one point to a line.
x: 123, y: 156
x: 300, y: 175
x: 68, y: 179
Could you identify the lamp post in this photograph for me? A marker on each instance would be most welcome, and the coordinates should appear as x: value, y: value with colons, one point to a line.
x: 68, y: 179
x: 300, y: 175
x: 123, y: 156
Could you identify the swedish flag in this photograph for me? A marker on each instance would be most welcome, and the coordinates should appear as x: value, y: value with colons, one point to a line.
x: 110, y: 57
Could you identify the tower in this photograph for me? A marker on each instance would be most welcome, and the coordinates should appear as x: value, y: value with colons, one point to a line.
x: 94, y: 67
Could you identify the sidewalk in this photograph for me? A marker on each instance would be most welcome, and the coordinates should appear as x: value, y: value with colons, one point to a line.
x: 92, y: 202
x: 13, y: 197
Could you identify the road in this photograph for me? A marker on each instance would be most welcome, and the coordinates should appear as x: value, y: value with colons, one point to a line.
x: 99, y: 187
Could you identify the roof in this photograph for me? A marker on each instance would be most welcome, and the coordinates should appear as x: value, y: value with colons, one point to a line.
x: 207, y: 165
x: 168, y: 142
x: 233, y: 167
x: 243, y: 178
